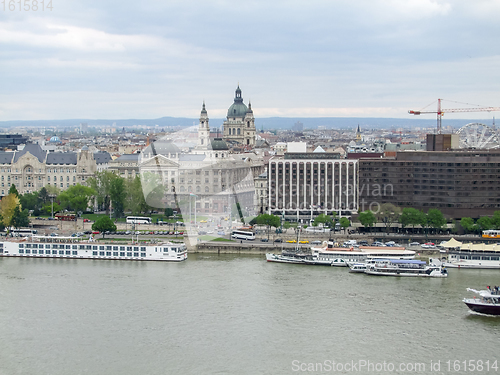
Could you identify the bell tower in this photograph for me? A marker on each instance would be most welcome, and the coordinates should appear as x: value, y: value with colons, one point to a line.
x: 203, y: 129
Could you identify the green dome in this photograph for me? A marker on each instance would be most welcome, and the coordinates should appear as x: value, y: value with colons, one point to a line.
x: 238, y: 108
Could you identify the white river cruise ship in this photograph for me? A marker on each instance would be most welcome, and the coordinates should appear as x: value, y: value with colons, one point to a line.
x: 75, y: 248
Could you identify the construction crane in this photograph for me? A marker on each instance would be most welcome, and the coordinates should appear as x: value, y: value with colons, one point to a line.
x: 440, y: 112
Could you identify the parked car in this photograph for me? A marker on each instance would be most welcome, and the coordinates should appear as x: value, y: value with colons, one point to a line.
x: 303, y: 241
x: 201, y: 233
x: 278, y: 240
x: 363, y: 243
x: 291, y: 241
x: 317, y: 242
x: 415, y: 244
x: 221, y: 233
x: 264, y: 240
x: 378, y: 244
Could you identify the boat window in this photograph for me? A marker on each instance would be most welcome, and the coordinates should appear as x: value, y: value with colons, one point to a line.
x: 101, y: 253
x: 75, y: 252
x: 21, y: 251
x: 136, y: 254
x: 129, y: 254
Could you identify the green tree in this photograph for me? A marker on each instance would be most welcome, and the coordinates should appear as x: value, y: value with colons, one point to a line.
x: 76, y: 197
x: 104, y: 224
x: 496, y: 219
x: 29, y: 201
x: 169, y: 211
x: 435, y: 218
x: 344, y: 223
x: 468, y: 224
x: 388, y: 214
x: 20, y: 218
x: 412, y: 216
x: 484, y: 223
x: 135, y: 201
x: 153, y: 189
x: 323, y: 219
x: 367, y: 218
x: 43, y: 196
x: 101, y: 183
x: 269, y: 220
x: 117, y: 195
x: 13, y: 190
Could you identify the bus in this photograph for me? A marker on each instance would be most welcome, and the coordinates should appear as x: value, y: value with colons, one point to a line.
x: 491, y: 233
x: 66, y: 217
x: 243, y: 235
x: 23, y: 232
x: 138, y: 220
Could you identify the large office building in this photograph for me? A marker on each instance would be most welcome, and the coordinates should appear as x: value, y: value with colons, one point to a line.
x: 459, y: 183
x: 305, y: 184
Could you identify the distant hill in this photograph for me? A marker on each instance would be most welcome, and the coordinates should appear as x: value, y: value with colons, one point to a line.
x: 265, y: 122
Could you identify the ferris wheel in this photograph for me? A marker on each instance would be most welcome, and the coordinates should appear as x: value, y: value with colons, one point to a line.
x: 478, y: 136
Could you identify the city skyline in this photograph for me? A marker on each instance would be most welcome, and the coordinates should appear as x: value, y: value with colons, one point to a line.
x: 320, y: 59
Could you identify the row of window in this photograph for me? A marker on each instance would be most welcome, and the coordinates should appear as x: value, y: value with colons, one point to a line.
x: 81, y: 247
x: 75, y: 252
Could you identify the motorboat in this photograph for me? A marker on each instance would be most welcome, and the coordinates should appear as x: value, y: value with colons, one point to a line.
x: 487, y: 301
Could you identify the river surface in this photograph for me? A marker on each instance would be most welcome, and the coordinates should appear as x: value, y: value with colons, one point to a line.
x: 236, y: 315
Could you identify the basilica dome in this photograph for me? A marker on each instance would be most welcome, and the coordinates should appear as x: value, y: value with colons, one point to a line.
x: 238, y: 108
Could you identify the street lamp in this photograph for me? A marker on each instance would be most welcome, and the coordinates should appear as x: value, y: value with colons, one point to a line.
x: 52, y: 196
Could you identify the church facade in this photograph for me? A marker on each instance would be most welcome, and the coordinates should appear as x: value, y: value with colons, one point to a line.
x: 239, y: 127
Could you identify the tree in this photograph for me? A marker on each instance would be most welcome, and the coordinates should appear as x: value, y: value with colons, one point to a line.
x: 104, y: 224
x: 323, y: 219
x: 412, y: 216
x: 20, y: 218
x: 468, y: 224
x: 7, y: 208
x: 76, y: 197
x: 367, y: 218
x: 496, y: 219
x: 435, y: 218
x: 344, y: 223
x: 269, y: 220
x: 169, y: 211
x: 388, y: 214
x: 43, y: 196
x: 13, y: 190
x: 153, y: 189
x: 135, y: 201
x: 29, y: 201
x: 117, y: 196
x: 484, y: 223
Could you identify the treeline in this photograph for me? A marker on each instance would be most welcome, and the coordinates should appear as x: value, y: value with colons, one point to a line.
x: 434, y: 219
x: 105, y: 190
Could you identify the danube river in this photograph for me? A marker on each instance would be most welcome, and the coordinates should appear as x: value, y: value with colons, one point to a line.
x: 236, y: 315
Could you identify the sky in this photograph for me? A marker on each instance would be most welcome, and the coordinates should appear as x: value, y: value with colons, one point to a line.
x: 148, y: 59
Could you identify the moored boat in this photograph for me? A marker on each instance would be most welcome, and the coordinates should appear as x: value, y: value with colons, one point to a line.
x: 488, y: 301
x: 357, y: 267
x: 340, y: 256
x: 404, y: 268
x: 76, y: 248
x: 483, y: 256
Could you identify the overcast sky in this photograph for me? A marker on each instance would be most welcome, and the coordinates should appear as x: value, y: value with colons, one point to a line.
x: 147, y: 59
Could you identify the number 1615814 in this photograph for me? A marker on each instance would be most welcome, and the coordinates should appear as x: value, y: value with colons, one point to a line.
x: 26, y: 5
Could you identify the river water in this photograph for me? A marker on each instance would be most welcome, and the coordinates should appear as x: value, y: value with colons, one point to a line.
x: 236, y: 315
